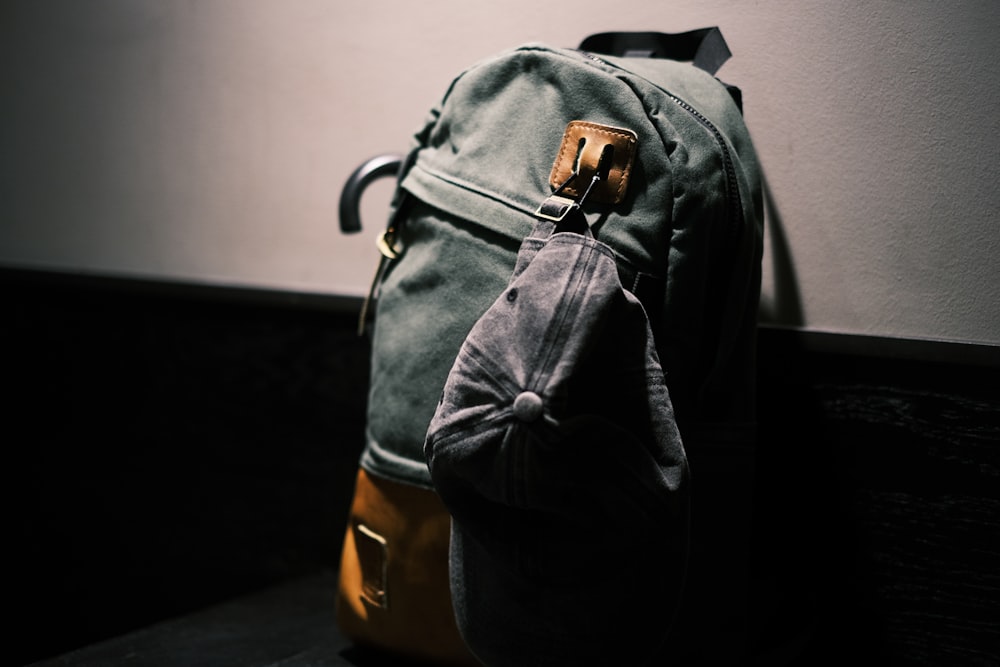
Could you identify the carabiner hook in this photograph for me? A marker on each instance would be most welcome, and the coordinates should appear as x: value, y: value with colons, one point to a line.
x: 557, y: 206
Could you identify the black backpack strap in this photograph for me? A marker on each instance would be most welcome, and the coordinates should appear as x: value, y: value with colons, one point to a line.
x: 705, y: 48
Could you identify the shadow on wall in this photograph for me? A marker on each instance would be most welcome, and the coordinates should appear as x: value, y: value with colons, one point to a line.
x: 784, y: 305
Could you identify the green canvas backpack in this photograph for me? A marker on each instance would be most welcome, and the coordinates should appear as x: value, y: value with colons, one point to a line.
x: 520, y: 136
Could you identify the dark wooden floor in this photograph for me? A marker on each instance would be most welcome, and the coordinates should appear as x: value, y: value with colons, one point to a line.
x: 173, y: 450
x: 287, y: 625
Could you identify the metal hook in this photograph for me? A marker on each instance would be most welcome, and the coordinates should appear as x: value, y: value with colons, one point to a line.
x: 556, y: 206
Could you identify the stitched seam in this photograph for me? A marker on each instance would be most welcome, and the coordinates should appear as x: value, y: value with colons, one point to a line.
x: 597, y: 129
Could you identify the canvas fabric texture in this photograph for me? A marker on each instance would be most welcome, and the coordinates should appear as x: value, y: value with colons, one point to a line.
x: 479, y: 169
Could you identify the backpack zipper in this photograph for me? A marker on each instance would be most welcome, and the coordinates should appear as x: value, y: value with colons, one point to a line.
x: 734, y: 200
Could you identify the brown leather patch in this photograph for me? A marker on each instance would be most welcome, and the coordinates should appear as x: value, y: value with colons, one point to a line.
x: 581, y: 147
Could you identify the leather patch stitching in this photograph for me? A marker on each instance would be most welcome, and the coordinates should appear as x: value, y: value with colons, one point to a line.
x: 594, y: 137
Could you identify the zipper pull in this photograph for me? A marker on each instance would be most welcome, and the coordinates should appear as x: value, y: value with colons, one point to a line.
x: 387, y: 253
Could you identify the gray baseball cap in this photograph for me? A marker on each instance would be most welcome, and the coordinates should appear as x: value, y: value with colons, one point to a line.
x: 555, y: 449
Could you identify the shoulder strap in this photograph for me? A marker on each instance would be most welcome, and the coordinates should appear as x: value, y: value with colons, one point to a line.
x: 705, y: 48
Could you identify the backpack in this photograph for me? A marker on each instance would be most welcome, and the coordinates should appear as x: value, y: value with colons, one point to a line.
x: 517, y: 153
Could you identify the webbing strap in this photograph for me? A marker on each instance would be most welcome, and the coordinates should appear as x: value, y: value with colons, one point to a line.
x: 705, y: 48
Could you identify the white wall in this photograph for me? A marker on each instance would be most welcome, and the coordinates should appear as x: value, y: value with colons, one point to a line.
x: 207, y: 140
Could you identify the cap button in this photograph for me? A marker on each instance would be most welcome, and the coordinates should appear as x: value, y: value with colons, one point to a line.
x: 528, y: 406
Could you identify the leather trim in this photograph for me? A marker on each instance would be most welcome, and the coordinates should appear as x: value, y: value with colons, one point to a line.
x: 582, y: 144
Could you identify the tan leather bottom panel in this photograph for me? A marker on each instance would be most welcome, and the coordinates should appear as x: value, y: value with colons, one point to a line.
x: 393, y: 588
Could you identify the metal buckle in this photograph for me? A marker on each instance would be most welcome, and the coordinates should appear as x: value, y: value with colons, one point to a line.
x: 555, y: 208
